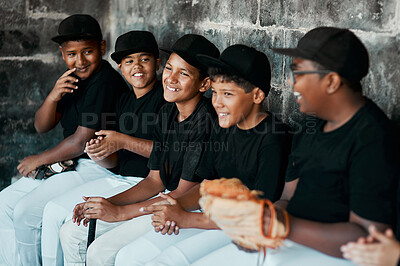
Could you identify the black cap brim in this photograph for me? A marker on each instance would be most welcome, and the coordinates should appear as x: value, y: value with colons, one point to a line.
x: 209, y: 61
x: 192, y: 61
x: 118, y: 56
x: 293, y: 52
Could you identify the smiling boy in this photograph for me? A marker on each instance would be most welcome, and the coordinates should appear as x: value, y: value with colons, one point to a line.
x: 128, y: 148
x: 256, y: 150
x: 81, y: 100
x: 343, y: 169
x: 182, y: 128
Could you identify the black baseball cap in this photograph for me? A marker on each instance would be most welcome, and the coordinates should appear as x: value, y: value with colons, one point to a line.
x: 78, y: 26
x: 245, y: 62
x: 134, y: 42
x: 191, y: 45
x: 336, y: 49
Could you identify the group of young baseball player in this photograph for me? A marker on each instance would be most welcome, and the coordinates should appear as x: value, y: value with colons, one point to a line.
x: 142, y: 151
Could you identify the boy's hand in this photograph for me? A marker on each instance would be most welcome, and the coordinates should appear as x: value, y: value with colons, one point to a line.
x: 28, y: 164
x: 166, y: 217
x: 107, y: 143
x: 78, y: 213
x: 379, y: 249
x: 101, y: 208
x: 65, y: 84
x: 92, y: 145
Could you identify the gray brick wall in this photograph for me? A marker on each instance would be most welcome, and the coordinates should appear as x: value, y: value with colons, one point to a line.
x: 30, y: 62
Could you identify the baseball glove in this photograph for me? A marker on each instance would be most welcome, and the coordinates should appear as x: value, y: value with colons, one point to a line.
x: 252, y: 223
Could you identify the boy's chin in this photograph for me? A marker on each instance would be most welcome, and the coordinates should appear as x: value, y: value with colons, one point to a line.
x: 224, y: 125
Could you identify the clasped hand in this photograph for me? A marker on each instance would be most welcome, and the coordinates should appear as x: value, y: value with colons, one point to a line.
x: 167, y: 215
x: 95, y: 208
x: 104, y: 145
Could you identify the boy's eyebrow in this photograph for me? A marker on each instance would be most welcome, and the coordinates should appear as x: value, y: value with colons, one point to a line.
x: 293, y: 66
x: 184, y: 69
x: 85, y: 48
x: 187, y: 70
x: 141, y: 54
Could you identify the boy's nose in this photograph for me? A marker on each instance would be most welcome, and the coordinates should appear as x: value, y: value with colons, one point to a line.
x: 81, y: 60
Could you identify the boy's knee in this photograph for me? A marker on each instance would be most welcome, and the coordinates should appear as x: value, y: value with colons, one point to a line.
x: 24, y: 216
x: 97, y: 255
x: 53, y: 211
x: 122, y: 257
x: 66, y: 232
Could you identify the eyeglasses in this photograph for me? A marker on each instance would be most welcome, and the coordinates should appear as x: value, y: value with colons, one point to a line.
x: 292, y: 73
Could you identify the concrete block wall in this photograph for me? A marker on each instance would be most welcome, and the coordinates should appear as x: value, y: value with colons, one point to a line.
x: 278, y: 23
x: 30, y: 64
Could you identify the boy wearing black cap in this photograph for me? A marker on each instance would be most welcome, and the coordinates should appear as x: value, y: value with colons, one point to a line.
x: 250, y: 144
x: 342, y: 173
x: 137, y: 55
x: 81, y: 100
x: 183, y: 125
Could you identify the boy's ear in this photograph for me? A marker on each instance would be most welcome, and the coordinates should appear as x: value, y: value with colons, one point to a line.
x: 334, y: 82
x: 158, y: 63
x: 119, y: 65
x: 62, y: 52
x: 205, y: 84
x: 258, y: 95
x: 103, y: 47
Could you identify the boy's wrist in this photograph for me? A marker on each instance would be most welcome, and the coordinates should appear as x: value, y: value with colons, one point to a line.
x: 51, y: 100
x: 121, y: 213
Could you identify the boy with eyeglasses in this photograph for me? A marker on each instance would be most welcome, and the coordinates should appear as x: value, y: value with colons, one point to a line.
x: 342, y: 174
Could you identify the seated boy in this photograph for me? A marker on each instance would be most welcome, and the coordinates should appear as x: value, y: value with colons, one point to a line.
x: 341, y: 175
x: 81, y: 100
x: 250, y: 144
x: 183, y: 125
x: 137, y: 55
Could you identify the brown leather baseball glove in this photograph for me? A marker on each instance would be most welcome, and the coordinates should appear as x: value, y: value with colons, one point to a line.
x: 252, y: 223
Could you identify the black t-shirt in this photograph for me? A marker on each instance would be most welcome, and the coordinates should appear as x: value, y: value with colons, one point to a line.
x: 353, y: 168
x: 178, y: 145
x: 398, y: 211
x: 258, y: 156
x: 137, y: 118
x: 93, y: 104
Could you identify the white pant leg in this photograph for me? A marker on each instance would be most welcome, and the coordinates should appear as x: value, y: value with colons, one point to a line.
x: 74, y: 240
x: 29, y: 210
x: 59, y: 210
x: 150, y: 245
x: 289, y: 254
x: 191, y: 249
x: 105, y: 248
x: 9, y: 198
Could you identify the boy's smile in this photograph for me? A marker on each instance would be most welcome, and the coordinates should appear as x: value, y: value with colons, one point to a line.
x: 84, y: 55
x: 234, y: 106
x: 181, y: 80
x: 139, y: 69
x: 308, y: 88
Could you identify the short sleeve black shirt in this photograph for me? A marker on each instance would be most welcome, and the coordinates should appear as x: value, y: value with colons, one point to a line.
x: 178, y: 145
x: 93, y: 104
x: 137, y: 118
x: 258, y: 156
x: 353, y: 168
